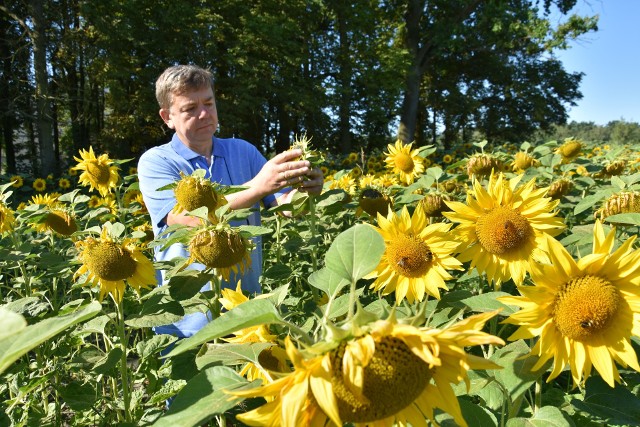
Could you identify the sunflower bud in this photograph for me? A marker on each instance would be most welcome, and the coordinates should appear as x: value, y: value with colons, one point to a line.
x: 483, y: 164
x: 433, y: 204
x: 559, y: 188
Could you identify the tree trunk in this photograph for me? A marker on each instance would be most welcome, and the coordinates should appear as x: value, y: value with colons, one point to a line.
x: 43, y: 106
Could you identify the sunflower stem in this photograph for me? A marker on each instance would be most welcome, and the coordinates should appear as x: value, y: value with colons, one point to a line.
x: 314, y: 232
x: 352, y: 300
x: 537, y: 401
x: 124, y: 373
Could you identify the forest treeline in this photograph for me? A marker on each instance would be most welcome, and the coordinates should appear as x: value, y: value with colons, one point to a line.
x: 352, y: 75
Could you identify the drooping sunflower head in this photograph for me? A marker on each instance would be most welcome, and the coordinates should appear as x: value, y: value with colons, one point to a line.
x: 58, y: 219
x: 98, y: 173
x: 523, y: 161
x: 570, y: 149
x: 7, y: 218
x: 417, y: 256
x: 221, y: 248
x: 433, y: 204
x: 404, y: 161
x: 623, y: 202
x: 503, y: 227
x: 108, y: 263
x: 483, y: 164
x: 373, y: 201
x: 559, y: 188
x: 193, y: 192
x: 615, y: 167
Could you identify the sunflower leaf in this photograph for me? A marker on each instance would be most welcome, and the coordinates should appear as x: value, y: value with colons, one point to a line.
x: 611, y: 406
x: 251, y: 313
x: 547, y: 416
x: 624, y: 218
x: 231, y: 353
x: 328, y: 281
x: 355, y: 252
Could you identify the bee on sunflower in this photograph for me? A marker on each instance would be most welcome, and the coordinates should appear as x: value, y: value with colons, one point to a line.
x: 504, y: 227
x: 98, y: 173
x: 377, y: 373
x: 109, y: 262
x: 583, y: 312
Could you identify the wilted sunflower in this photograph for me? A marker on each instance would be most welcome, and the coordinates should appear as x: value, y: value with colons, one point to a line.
x: 523, y: 161
x: 7, y: 218
x: 373, y: 201
x: 98, y: 172
x: 433, y: 204
x: 570, y: 149
x: 109, y: 264
x: 623, y: 202
x: 503, y: 229
x: 222, y: 248
x: 417, y: 256
x: 391, y: 373
x: 584, y: 312
x: 194, y: 191
x: 405, y: 162
x: 40, y: 184
x: 482, y: 164
x: 560, y: 187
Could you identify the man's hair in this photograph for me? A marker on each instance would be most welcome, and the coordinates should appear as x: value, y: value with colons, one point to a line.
x: 179, y: 79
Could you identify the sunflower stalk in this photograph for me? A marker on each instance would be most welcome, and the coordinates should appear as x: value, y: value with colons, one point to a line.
x: 124, y: 372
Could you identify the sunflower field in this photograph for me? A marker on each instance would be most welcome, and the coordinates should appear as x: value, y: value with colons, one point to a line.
x: 485, y: 286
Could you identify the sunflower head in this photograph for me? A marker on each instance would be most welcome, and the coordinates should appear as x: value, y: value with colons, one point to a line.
x: 523, y: 161
x: 374, y: 201
x: 194, y: 191
x: 222, y: 248
x: 98, y: 173
x: 16, y: 181
x: 404, y: 161
x: 570, y: 149
x: 560, y: 188
x: 40, y: 184
x: 303, y: 143
x: 433, y: 204
x: 482, y: 164
x: 615, y: 168
x: 59, y: 220
x: 7, y: 218
x: 623, y: 202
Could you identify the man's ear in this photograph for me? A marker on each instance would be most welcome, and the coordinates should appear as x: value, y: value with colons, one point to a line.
x: 164, y: 113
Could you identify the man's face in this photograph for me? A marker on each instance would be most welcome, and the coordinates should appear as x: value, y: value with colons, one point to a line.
x: 193, y: 116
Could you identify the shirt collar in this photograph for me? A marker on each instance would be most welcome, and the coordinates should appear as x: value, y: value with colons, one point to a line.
x: 218, y: 149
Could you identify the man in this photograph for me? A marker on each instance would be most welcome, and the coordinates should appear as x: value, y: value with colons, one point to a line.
x: 187, y: 105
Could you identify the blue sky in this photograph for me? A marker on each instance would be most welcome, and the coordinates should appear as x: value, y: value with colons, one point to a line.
x: 610, y: 59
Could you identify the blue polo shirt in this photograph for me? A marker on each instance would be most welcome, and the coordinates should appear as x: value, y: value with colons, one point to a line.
x: 235, y: 162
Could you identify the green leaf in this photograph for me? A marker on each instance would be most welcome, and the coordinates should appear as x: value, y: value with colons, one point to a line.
x: 547, y: 416
x: 476, y: 415
x: 355, y: 252
x: 187, y: 284
x: 624, y: 218
x: 20, y: 342
x: 328, y: 281
x: 251, y: 313
x: 79, y: 397
x: 12, y: 323
x: 488, y: 302
x: 231, y: 353
x: 156, y: 311
x: 613, y: 406
x: 590, y: 200
x: 203, y: 397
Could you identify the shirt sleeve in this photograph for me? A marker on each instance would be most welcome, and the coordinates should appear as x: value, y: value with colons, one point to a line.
x: 156, y: 171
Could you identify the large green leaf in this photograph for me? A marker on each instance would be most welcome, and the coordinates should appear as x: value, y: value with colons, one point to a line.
x: 612, y: 406
x: 355, y: 252
x: 624, y: 218
x: 203, y: 397
x: 328, y: 281
x: 19, y: 342
x: 251, y: 313
x: 231, y: 353
x: 547, y: 416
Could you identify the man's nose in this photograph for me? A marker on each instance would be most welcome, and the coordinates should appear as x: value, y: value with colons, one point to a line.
x: 204, y: 112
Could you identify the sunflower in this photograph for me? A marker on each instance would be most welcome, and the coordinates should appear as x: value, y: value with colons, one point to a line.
x: 109, y: 264
x: 270, y: 359
x: 40, y: 184
x: 433, y: 204
x: 503, y: 229
x: 193, y: 192
x: 64, y: 183
x: 583, y: 312
x: 98, y: 172
x: 133, y: 197
x: 16, y: 181
x: 345, y: 183
x: 373, y: 201
x: 7, y: 218
x: 482, y: 164
x: 390, y: 373
x: 222, y: 248
x: 50, y: 199
x: 447, y: 158
x: 416, y: 258
x: 570, y: 149
x: 404, y: 161
x: 523, y: 161
x: 57, y: 219
x: 622, y: 202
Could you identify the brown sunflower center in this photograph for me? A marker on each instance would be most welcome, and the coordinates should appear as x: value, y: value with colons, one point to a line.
x: 109, y: 261
x: 373, y: 202
x: 404, y: 162
x: 393, y: 379
x: 61, y: 222
x: 192, y: 194
x: 585, y: 306
x: 502, y: 230
x: 409, y: 256
x: 98, y: 172
x: 218, y: 249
